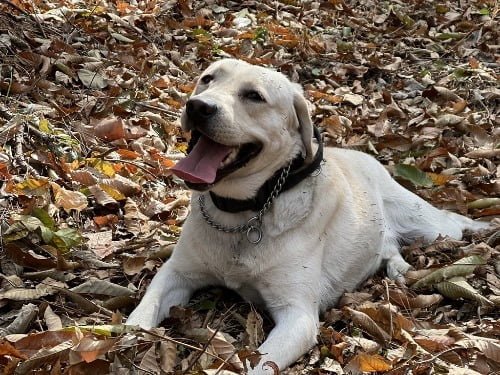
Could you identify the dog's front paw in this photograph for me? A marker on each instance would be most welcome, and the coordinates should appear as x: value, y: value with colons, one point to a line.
x: 263, y: 368
x: 144, y: 316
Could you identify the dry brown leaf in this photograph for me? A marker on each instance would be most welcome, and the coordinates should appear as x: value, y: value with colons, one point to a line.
x: 134, y: 265
x: 101, y: 287
x: 489, y: 347
x: 102, y: 197
x: 367, y: 324
x: 368, y: 346
x: 109, y: 129
x: 168, y: 355
x: 52, y: 320
x: 7, y: 349
x: 68, y: 199
x: 441, y: 94
x: 431, y: 345
x: 149, y: 361
x: 43, y: 357
x: 401, y: 298
x: 254, y: 330
x: 224, y: 349
x: 124, y: 185
x: 84, y: 177
x: 90, y: 348
x: 483, y: 154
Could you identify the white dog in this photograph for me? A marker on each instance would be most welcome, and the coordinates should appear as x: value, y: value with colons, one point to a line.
x: 275, y: 219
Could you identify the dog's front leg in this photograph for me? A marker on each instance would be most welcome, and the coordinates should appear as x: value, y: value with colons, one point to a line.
x: 293, y: 335
x: 168, y: 288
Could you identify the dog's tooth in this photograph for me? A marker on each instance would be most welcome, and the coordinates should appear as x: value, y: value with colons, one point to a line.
x: 231, y: 157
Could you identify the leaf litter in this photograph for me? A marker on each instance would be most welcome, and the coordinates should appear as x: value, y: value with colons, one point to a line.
x: 91, y: 94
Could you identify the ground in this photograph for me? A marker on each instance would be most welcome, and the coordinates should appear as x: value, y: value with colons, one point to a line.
x: 91, y: 93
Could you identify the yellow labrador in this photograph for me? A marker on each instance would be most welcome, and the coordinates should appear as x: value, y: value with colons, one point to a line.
x: 277, y: 218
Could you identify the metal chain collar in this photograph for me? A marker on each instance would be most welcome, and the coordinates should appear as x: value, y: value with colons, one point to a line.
x: 254, y: 224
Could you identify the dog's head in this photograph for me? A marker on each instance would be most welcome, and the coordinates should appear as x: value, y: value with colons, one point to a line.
x: 246, y: 122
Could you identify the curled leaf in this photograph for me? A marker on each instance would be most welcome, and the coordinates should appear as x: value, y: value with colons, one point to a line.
x: 366, y: 323
x: 458, y: 287
x: 462, y: 267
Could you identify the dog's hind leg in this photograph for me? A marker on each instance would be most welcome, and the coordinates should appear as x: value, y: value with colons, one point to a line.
x: 411, y: 217
x: 395, y: 265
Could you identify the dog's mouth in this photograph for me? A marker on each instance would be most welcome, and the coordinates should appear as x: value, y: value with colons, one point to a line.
x: 208, y: 162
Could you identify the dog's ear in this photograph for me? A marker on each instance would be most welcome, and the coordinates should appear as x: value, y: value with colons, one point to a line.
x: 304, y: 120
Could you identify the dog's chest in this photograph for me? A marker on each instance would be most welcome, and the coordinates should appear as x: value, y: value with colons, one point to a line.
x: 233, y: 261
x: 236, y: 263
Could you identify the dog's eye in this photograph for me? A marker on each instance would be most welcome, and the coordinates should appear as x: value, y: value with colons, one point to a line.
x: 254, y: 96
x: 206, y: 79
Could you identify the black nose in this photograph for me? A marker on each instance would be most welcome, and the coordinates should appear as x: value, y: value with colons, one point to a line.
x: 198, y: 108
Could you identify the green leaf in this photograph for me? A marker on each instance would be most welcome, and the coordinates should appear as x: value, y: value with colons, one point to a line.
x: 260, y: 34
x: 105, y: 329
x: 458, y: 287
x: 44, y: 126
x: 412, y: 174
x: 462, y: 267
x: 205, y: 304
x: 21, y: 228
x: 484, y: 11
x: 316, y: 72
x: 445, y: 36
x: 45, y: 218
x: 15, y: 232
x: 461, y: 73
x: 46, y: 233
x: 66, y: 238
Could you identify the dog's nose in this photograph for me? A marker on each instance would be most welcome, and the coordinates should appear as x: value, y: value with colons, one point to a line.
x: 201, y: 108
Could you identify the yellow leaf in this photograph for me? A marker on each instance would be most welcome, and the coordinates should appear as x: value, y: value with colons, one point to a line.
x: 32, y: 186
x: 104, y: 166
x: 115, y: 194
x: 372, y: 363
x: 440, y: 179
x: 182, y: 147
x: 44, y: 126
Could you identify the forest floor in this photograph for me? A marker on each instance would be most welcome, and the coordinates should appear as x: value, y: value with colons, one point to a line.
x: 91, y: 93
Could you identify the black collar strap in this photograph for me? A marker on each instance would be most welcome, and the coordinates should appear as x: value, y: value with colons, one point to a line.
x: 298, y: 172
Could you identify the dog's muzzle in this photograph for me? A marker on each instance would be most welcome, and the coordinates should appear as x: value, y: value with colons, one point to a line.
x: 199, y: 111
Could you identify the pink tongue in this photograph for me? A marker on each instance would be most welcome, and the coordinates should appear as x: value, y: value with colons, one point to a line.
x: 200, y: 165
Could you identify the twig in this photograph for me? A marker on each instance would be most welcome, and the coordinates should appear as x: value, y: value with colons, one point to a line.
x: 152, y: 107
x: 137, y: 366
x: 136, y: 245
x: 203, y: 350
x: 177, y: 342
x: 43, y: 136
x: 433, y: 358
x: 391, y: 332
x: 205, y: 347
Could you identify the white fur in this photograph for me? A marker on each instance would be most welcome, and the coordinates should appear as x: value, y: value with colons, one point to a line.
x: 321, y: 238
